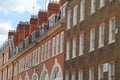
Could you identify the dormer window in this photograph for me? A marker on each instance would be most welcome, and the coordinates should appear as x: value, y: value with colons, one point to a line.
x: 52, y: 20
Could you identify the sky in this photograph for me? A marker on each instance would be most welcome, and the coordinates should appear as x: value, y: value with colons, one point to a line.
x: 14, y: 11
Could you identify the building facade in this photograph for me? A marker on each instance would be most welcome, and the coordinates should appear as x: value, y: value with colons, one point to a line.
x: 92, y: 40
x: 35, y: 50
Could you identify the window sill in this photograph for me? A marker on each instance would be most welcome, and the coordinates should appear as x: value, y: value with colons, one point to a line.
x: 67, y: 59
x: 91, y: 50
x: 100, y: 46
x: 73, y: 57
x: 92, y: 13
x: 110, y: 42
x: 82, y: 20
x: 102, y: 7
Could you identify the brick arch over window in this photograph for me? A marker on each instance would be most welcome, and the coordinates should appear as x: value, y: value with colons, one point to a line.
x: 44, y: 74
x: 34, y: 76
x: 27, y: 77
x: 56, y: 73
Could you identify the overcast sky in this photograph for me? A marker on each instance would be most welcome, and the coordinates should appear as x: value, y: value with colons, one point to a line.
x: 13, y: 11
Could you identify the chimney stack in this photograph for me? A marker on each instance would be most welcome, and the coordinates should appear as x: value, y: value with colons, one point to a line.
x: 53, y: 7
x: 62, y: 2
x: 33, y: 23
x: 42, y: 17
x: 11, y: 33
x: 22, y: 31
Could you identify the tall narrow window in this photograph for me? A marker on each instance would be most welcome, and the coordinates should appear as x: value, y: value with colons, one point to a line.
x: 69, y: 19
x: 80, y: 75
x: 112, y: 27
x: 42, y: 57
x: 49, y: 43
x: 91, y: 73
x: 57, y: 44
x: 101, y: 35
x: 81, y: 44
x: 93, y: 7
x: 38, y: 55
x: 92, y: 39
x: 73, y: 76
x: 82, y: 10
x: 75, y: 10
x: 102, y: 3
x: 67, y: 76
x: 74, y: 48
x: 68, y: 50
x: 53, y: 46
x: 46, y: 44
x: 100, y: 72
x: 61, y: 41
x: 111, y: 72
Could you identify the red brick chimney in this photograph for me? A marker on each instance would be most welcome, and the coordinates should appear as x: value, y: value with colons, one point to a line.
x: 15, y: 40
x: 27, y: 26
x: 62, y: 2
x: 42, y: 17
x: 53, y: 7
x: 33, y: 24
x: 11, y: 33
x: 22, y: 31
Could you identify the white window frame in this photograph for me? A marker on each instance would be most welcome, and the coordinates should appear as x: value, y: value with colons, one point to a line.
x: 74, y: 47
x: 75, y: 14
x: 67, y: 76
x: 49, y: 45
x: 93, y: 6
x: 112, y: 30
x: 53, y: 46
x: 92, y: 39
x: 69, y: 16
x: 61, y: 41
x: 73, y: 75
x: 91, y: 73
x: 101, y: 35
x: 111, y: 71
x: 100, y: 72
x: 102, y: 3
x: 82, y: 10
x: 80, y: 75
x: 81, y: 44
x: 68, y: 50
x: 57, y: 44
x: 39, y: 55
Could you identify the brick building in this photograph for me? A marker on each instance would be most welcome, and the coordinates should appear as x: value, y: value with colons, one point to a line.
x: 92, y: 40
x: 35, y: 50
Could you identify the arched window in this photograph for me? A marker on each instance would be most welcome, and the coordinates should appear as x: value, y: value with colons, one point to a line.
x: 35, y: 76
x: 44, y: 76
x: 27, y: 77
x: 56, y: 73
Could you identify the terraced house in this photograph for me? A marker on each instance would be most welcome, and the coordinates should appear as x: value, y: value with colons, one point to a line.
x: 72, y: 40
x: 35, y: 50
x: 92, y: 38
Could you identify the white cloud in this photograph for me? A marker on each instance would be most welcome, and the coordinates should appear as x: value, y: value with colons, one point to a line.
x: 19, y: 6
x: 4, y: 29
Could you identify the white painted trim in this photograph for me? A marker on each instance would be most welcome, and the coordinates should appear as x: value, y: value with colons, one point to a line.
x: 34, y: 74
x: 43, y: 71
x: 27, y: 76
x: 56, y: 65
